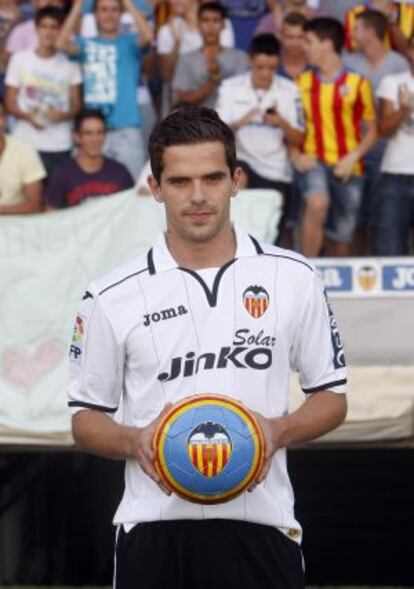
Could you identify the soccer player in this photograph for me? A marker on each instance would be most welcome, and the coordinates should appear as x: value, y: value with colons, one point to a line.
x: 340, y: 129
x: 183, y: 299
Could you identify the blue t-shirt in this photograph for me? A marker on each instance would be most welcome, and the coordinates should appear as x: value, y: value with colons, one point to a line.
x: 111, y: 70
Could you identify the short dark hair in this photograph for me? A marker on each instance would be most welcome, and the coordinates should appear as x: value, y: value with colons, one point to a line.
x: 265, y: 43
x: 295, y: 19
x: 375, y: 20
x: 57, y: 14
x: 190, y: 125
x: 87, y: 113
x: 212, y: 7
x: 327, y: 28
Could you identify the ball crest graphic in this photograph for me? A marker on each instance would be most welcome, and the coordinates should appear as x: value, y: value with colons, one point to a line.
x: 209, y: 448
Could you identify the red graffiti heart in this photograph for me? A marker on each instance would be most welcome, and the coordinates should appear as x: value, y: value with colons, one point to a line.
x: 23, y: 371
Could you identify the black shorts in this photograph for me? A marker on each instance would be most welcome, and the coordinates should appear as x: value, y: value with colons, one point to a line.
x: 202, y: 554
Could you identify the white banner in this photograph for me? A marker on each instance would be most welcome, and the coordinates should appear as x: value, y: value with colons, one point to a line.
x: 46, y: 261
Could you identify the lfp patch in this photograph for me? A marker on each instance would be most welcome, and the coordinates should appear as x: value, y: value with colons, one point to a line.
x: 78, y: 330
x: 75, y: 350
x: 209, y: 448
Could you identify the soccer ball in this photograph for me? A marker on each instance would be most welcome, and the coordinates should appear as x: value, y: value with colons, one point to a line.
x: 209, y: 448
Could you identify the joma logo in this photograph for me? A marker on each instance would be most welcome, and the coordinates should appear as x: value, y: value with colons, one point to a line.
x: 164, y: 314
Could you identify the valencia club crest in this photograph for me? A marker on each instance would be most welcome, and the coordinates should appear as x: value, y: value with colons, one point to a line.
x: 256, y: 300
x: 209, y: 448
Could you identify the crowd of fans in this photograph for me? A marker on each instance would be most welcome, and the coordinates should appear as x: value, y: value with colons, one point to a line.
x: 319, y: 94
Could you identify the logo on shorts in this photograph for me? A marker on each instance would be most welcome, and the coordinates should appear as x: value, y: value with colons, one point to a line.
x: 367, y: 277
x: 209, y: 448
x: 256, y: 300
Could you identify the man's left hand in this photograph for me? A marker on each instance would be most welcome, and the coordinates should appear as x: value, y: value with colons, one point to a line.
x: 54, y: 116
x: 273, y: 118
x: 344, y: 168
x: 273, y: 433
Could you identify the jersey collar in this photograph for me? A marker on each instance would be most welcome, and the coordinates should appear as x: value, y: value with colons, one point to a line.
x: 160, y: 259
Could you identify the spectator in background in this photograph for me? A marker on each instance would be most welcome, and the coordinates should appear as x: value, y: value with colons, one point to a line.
x: 336, y: 102
x: 88, y: 174
x: 394, y: 212
x: 24, y: 35
x: 88, y: 26
x: 9, y: 17
x: 373, y: 60
x: 293, y: 60
x: 272, y: 22
x: 244, y: 16
x: 400, y: 21
x: 292, y: 63
x: 179, y: 36
x: 21, y: 174
x: 111, y: 66
x: 263, y: 109
x: 199, y: 73
x: 43, y: 92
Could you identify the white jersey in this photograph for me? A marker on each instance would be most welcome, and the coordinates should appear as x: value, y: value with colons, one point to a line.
x: 154, y: 333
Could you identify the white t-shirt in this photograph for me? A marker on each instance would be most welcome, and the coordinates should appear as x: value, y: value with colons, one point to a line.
x: 191, y: 39
x: 137, y: 326
x: 398, y: 157
x: 259, y: 145
x: 43, y: 83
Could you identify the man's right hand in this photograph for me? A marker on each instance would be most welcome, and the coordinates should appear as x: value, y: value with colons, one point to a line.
x: 304, y: 162
x: 247, y: 118
x: 141, y: 448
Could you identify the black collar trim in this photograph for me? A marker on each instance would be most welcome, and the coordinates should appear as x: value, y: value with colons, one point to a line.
x: 123, y: 280
x: 257, y: 245
x: 150, y: 261
x: 210, y: 294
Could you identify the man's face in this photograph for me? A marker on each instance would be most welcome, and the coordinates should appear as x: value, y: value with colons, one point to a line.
x: 315, y: 49
x: 293, y: 39
x: 180, y: 7
x: 360, y: 34
x: 47, y: 33
x: 263, y: 68
x: 211, y: 24
x: 91, y: 137
x: 108, y: 16
x: 196, y: 186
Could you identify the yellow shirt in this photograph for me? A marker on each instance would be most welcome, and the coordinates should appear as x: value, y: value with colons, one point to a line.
x: 19, y: 165
x: 334, y: 112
